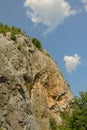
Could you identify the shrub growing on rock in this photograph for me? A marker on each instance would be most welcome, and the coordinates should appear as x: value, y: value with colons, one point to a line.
x: 37, y: 43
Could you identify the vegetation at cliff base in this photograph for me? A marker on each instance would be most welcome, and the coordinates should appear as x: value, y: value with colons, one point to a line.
x: 53, y: 124
x: 78, y: 119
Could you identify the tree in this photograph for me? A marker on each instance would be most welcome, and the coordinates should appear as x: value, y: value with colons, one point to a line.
x: 78, y: 120
x: 53, y: 124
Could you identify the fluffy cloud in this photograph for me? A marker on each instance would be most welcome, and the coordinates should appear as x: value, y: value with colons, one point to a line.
x: 48, y: 12
x: 71, y: 62
x: 85, y: 4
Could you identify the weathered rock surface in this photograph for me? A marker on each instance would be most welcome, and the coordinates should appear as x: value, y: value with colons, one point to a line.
x: 32, y: 88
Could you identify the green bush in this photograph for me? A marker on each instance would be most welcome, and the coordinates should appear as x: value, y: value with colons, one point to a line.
x: 66, y: 120
x: 14, y: 30
x: 37, y: 43
x: 53, y: 124
x: 19, y: 47
x: 78, y: 119
x: 13, y: 37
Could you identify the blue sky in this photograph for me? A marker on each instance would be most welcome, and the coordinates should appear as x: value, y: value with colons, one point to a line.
x: 61, y: 26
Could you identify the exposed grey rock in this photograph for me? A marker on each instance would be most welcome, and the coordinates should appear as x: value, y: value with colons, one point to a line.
x: 32, y: 88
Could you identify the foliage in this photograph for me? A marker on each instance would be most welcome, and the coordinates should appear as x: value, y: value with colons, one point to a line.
x: 48, y: 55
x: 13, y: 37
x: 37, y: 43
x: 1, y: 129
x: 19, y: 47
x: 66, y: 119
x: 14, y: 30
x: 53, y: 124
x: 78, y: 119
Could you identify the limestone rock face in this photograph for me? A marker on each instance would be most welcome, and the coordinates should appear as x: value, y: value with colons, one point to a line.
x: 32, y: 88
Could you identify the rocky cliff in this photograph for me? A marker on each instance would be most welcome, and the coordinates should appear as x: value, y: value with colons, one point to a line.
x: 32, y: 88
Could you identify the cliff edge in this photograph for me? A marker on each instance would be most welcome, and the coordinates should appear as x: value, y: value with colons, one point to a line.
x: 32, y: 88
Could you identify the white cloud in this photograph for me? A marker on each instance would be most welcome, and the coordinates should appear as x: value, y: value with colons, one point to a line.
x: 85, y: 4
x: 71, y: 62
x: 48, y: 12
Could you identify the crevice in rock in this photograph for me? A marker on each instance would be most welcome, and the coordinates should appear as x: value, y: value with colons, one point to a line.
x: 3, y: 79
